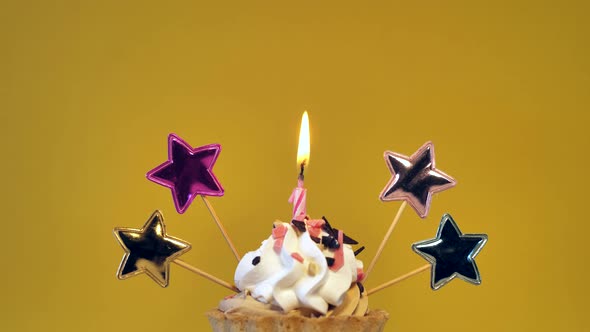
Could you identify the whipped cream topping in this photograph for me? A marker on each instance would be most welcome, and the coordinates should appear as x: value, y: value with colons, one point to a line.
x: 291, y: 271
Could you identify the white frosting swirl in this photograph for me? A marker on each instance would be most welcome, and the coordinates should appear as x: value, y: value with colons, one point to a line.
x: 280, y: 278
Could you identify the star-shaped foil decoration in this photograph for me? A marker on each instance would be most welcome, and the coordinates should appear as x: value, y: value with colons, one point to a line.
x: 187, y: 172
x: 451, y: 254
x: 414, y: 179
x: 149, y: 250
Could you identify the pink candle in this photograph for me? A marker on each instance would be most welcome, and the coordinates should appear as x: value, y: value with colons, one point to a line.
x: 299, y: 194
x: 298, y: 199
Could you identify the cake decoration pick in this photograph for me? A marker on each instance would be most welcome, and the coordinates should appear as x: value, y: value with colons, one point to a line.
x: 414, y: 180
x: 188, y: 173
x: 150, y: 250
x: 451, y: 253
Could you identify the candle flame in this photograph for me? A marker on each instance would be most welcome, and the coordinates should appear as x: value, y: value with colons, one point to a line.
x: 303, y: 149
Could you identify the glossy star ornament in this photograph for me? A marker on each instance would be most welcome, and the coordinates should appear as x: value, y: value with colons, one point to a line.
x: 149, y: 250
x: 451, y: 254
x: 414, y: 179
x: 188, y: 172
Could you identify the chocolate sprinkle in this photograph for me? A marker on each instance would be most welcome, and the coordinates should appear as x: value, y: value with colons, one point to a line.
x: 256, y: 260
x: 300, y: 225
x: 359, y: 250
x: 330, y: 242
x: 361, y: 287
x: 327, y: 227
x: 315, y: 239
x: 346, y: 239
x: 330, y: 261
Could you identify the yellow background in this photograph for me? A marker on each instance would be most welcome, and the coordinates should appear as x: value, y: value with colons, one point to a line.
x: 89, y: 91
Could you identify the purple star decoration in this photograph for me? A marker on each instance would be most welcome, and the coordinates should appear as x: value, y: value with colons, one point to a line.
x: 187, y: 172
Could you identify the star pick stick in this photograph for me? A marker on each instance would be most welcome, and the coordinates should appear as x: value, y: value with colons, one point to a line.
x: 150, y: 250
x: 399, y: 279
x: 188, y: 173
x: 206, y: 275
x: 414, y: 180
x: 385, y: 239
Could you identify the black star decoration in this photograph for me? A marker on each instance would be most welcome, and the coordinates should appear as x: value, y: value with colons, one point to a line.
x: 149, y: 250
x: 451, y: 253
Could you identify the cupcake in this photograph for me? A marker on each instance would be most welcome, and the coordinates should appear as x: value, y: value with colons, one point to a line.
x: 304, y: 277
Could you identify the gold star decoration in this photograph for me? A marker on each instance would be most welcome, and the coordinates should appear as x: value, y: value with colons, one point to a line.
x: 149, y: 250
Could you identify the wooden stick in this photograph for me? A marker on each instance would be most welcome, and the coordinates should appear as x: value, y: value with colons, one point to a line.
x: 206, y: 275
x: 221, y: 228
x: 398, y: 279
x: 385, y: 239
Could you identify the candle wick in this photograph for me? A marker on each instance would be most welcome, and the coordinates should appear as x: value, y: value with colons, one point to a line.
x: 302, y: 169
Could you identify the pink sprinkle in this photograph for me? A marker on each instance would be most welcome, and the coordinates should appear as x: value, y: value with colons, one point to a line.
x: 360, y: 275
x: 278, y: 233
x: 339, y: 254
x: 315, y: 227
x: 297, y: 257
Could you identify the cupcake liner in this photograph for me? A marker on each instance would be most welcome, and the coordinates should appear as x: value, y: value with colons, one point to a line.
x: 373, y: 321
